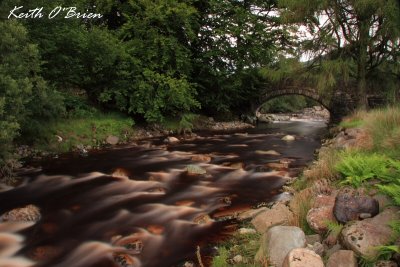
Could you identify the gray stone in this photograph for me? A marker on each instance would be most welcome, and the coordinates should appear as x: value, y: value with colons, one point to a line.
x: 342, y: 258
x: 277, y: 242
x: 302, y: 257
x: 364, y: 236
x: 279, y: 214
x: 350, y: 204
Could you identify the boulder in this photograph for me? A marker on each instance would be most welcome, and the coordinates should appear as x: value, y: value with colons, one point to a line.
x: 321, y: 213
x: 277, y: 242
x: 333, y: 250
x: 350, y: 204
x: 342, y: 258
x: 318, y: 218
x: 302, y: 257
x: 288, y: 138
x: 279, y: 214
x: 364, y: 236
x: 112, y: 140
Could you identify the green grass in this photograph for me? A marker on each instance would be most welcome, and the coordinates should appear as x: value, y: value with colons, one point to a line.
x: 351, y: 123
x: 89, y: 131
x: 245, y: 245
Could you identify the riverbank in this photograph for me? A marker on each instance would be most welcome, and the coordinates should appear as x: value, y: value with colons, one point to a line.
x: 344, y: 209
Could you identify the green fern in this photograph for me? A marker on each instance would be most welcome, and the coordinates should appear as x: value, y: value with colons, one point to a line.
x: 392, y: 190
x: 357, y: 168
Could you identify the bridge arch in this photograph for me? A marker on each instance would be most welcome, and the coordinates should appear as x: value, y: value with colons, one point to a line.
x: 307, y: 92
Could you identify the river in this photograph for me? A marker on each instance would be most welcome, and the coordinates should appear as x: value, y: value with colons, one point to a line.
x: 151, y: 212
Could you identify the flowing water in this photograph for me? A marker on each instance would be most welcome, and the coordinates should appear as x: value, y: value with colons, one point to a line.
x: 138, y: 205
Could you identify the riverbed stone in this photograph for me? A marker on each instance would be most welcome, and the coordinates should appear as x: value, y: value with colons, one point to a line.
x: 277, y: 242
x: 201, y: 158
x: 301, y: 257
x: 350, y: 204
x: 268, y: 152
x: 288, y: 138
x: 195, y: 170
x: 171, y: 140
x: 29, y: 213
x: 364, y: 236
x: 342, y: 258
x: 279, y: 214
x: 112, y: 140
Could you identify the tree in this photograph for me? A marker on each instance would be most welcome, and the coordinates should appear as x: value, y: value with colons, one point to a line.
x: 236, y: 39
x: 362, y: 33
x: 25, y: 97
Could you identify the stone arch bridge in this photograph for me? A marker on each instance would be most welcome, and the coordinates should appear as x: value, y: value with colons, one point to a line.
x: 339, y: 104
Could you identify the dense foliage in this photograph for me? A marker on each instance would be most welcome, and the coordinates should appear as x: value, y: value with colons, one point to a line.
x: 154, y: 60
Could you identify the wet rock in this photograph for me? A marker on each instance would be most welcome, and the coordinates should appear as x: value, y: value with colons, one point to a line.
x: 29, y: 213
x: 278, y: 241
x: 195, y: 170
x: 385, y: 264
x: 247, y: 231
x: 279, y: 214
x: 288, y: 138
x: 322, y: 213
x: 311, y: 239
x: 201, y: 158
x: 268, y: 152
x: 237, y: 165
x: 350, y: 204
x: 342, y: 258
x: 364, y: 236
x: 284, y: 198
x: 171, y: 140
x: 301, y: 257
x: 277, y: 166
x: 189, y: 264
x: 112, y: 140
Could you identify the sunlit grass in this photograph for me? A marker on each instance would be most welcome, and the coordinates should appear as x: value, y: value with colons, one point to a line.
x: 89, y: 131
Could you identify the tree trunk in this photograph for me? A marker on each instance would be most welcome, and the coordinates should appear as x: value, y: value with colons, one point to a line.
x: 362, y: 65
